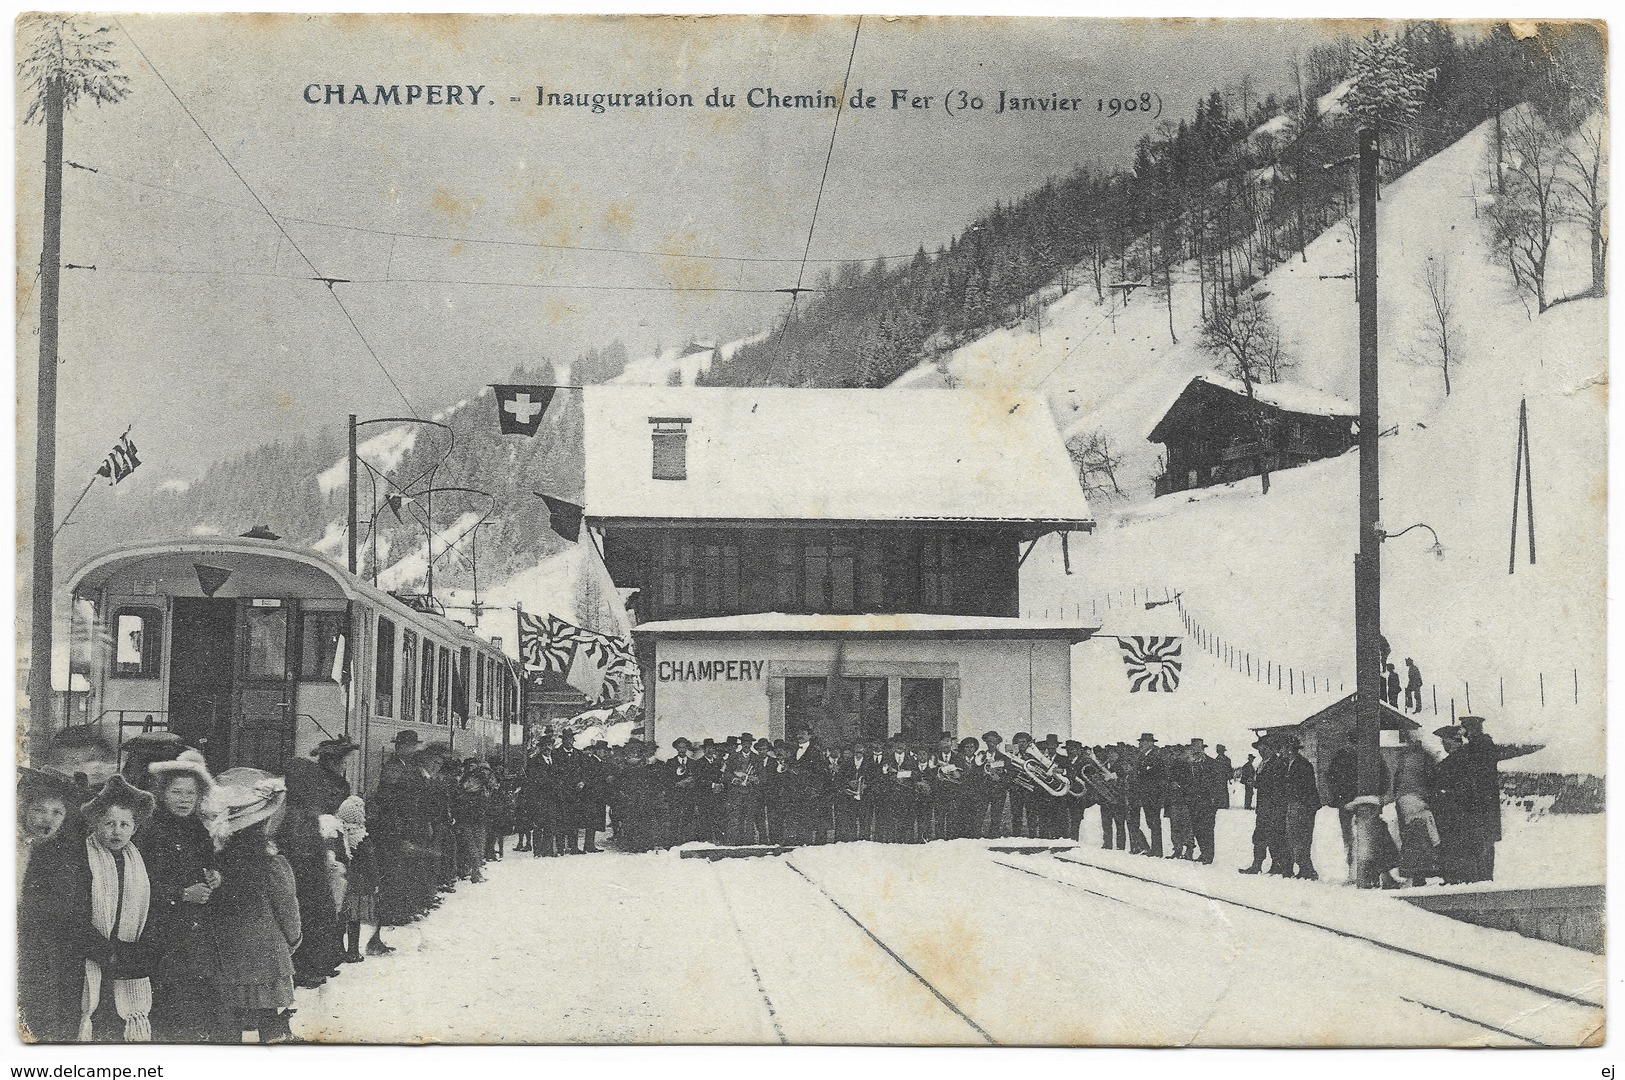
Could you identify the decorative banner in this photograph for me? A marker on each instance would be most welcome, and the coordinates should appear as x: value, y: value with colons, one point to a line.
x: 121, y: 461
x: 603, y: 668
x: 1153, y: 663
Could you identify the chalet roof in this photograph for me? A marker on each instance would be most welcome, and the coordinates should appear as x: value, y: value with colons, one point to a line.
x: 778, y: 624
x: 1341, y: 712
x: 778, y: 455
x: 1288, y: 397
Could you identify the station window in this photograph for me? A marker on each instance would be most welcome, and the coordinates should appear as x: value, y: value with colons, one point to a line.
x: 937, y: 573
x: 383, y: 687
x: 138, y: 643
x: 321, y: 637
x: 409, y: 675
x: 922, y: 709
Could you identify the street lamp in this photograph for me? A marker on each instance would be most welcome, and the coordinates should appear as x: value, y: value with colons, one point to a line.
x: 1437, y: 550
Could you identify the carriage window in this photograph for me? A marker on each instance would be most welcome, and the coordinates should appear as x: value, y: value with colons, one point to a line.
x: 265, y: 652
x: 426, y: 687
x: 321, y: 636
x: 384, y: 676
x: 459, y: 690
x: 409, y: 675
x: 443, y: 715
x: 138, y: 643
x: 479, y: 685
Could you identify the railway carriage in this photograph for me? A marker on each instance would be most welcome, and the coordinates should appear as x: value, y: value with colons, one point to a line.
x: 255, y: 651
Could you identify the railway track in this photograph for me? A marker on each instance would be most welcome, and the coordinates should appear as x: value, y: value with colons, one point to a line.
x: 1521, y: 986
x: 895, y: 957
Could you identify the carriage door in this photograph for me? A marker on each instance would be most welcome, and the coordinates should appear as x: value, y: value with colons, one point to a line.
x: 263, y: 699
x: 200, y: 675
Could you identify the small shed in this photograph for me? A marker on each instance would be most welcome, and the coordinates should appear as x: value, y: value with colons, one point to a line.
x: 1215, y: 434
x: 1332, y: 728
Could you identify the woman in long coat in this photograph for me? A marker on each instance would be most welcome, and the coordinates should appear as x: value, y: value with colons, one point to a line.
x: 180, y: 866
x: 85, y: 953
x: 250, y: 927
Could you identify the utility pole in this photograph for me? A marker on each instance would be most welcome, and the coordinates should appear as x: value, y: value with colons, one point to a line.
x: 50, y: 282
x: 1368, y: 563
x: 350, y: 523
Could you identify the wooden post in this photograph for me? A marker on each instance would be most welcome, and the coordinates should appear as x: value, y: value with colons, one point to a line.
x: 50, y: 289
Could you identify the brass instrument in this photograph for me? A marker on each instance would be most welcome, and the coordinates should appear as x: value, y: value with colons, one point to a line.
x: 1040, y: 773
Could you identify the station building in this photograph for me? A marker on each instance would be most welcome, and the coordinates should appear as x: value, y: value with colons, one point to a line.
x: 841, y: 561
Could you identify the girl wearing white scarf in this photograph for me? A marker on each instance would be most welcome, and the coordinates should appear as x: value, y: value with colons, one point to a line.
x: 120, y: 895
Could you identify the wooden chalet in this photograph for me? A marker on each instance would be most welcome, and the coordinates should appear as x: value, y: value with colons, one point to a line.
x: 1215, y: 435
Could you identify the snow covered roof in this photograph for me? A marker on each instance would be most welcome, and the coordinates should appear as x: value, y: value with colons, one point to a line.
x: 1287, y: 396
x: 915, y: 626
x: 778, y: 454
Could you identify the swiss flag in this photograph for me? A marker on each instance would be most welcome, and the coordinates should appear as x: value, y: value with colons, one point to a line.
x: 520, y: 408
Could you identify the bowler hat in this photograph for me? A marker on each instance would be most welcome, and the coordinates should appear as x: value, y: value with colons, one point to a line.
x: 406, y: 738
x: 1146, y: 736
x: 681, y: 744
x: 992, y: 736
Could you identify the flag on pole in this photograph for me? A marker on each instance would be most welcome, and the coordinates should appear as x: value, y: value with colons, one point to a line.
x: 121, y: 461
x: 564, y: 517
x: 601, y: 667
x: 1153, y: 663
x: 520, y: 408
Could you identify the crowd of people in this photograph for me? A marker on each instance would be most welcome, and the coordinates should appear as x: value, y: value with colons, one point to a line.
x: 160, y: 903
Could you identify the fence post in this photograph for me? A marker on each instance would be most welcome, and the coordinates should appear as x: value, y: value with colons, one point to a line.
x: 1543, y: 689
x: 1435, y: 699
x: 1577, y: 686
x: 1469, y: 687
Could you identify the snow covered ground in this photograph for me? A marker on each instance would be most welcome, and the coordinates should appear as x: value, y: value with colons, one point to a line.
x: 1271, y: 576
x: 952, y: 943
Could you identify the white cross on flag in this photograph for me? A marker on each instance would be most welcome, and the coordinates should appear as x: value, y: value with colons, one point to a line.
x: 520, y: 408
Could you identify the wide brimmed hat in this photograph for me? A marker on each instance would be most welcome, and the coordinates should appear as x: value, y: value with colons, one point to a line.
x: 190, y: 763
x: 42, y: 784
x: 1146, y: 736
x: 1449, y: 731
x: 334, y: 748
x: 992, y: 736
x: 241, y: 798
x: 119, y: 792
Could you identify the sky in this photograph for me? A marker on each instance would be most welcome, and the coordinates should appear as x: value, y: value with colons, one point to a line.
x: 220, y: 195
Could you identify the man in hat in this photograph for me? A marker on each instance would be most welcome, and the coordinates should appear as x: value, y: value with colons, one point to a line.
x: 896, y: 797
x: 806, y: 794
x: 996, y: 792
x: 1480, y: 800
x: 396, y: 819
x: 1222, y: 758
x: 1210, y: 793
x: 685, y: 778
x: 315, y: 789
x: 1302, y: 804
x: 1147, y: 795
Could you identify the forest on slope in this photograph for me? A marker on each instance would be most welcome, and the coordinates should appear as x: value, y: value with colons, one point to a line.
x: 1236, y: 189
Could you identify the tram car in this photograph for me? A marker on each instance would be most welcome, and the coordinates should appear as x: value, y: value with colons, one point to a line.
x: 255, y: 651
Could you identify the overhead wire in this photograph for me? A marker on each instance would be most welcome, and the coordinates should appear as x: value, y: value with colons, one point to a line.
x: 452, y: 238
x: 255, y: 196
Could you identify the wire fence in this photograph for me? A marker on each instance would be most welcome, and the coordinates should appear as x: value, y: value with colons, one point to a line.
x: 1446, y: 699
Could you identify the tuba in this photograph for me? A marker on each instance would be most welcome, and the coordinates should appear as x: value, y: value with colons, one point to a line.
x: 1045, y: 773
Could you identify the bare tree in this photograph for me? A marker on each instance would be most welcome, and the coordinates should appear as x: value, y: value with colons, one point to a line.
x: 1523, y: 218
x: 1245, y: 339
x: 1581, y: 173
x: 1097, y: 464
x: 1440, y: 327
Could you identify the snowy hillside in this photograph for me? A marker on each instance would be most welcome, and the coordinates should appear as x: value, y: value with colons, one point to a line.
x: 1272, y: 576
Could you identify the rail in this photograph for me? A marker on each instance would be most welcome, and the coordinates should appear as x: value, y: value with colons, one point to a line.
x: 150, y: 720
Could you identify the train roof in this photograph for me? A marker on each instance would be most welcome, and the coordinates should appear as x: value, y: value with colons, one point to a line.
x: 174, y: 563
